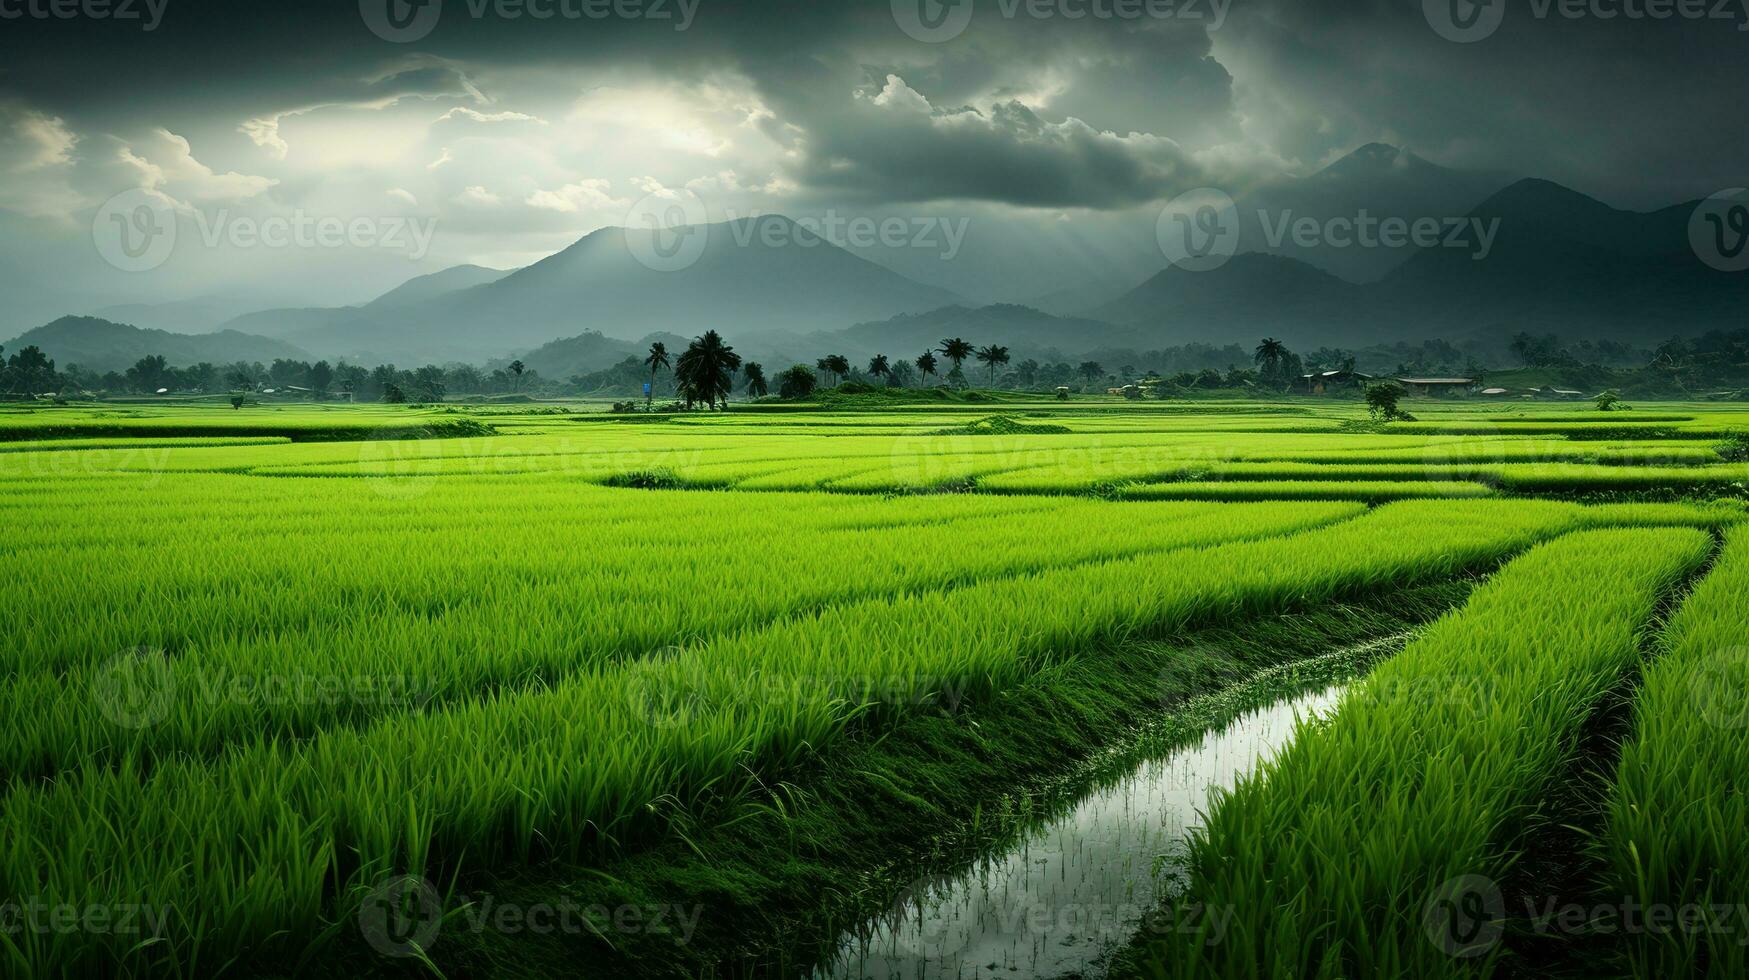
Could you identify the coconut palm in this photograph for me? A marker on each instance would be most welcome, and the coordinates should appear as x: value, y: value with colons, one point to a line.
x: 657, y: 361
x: 993, y: 356
x: 955, y: 350
x: 880, y: 367
x: 706, y: 372
x: 839, y: 365
x: 754, y: 372
x: 926, y: 365
x: 1269, y: 357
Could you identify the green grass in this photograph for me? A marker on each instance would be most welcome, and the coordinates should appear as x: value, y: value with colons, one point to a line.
x: 1342, y: 857
x: 258, y: 660
x: 1677, y: 834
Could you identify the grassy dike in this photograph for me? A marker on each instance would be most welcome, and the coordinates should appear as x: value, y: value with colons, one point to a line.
x: 1388, y: 843
x: 769, y: 891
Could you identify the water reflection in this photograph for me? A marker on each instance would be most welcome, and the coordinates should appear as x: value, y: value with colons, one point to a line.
x: 1077, y: 887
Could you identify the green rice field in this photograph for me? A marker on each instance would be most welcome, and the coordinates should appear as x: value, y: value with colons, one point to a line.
x: 547, y: 691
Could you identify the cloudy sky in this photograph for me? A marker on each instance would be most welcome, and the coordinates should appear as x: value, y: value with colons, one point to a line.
x: 506, y: 129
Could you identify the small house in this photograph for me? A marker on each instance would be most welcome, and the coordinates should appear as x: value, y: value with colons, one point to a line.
x: 1324, y: 382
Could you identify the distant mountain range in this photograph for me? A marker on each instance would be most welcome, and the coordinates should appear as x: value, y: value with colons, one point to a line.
x: 1553, y: 261
x: 101, y: 345
x: 1557, y: 262
x: 764, y: 275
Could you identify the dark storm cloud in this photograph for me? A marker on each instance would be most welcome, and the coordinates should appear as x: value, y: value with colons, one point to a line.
x: 1089, y: 110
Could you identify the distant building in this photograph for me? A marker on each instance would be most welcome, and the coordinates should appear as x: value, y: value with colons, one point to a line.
x: 1554, y: 394
x: 1438, y: 387
x: 1496, y: 392
x: 1324, y: 382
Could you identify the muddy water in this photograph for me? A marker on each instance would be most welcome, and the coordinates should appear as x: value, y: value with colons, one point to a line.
x: 1077, y: 887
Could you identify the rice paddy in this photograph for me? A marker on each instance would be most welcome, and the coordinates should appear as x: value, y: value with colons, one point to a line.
x: 263, y: 664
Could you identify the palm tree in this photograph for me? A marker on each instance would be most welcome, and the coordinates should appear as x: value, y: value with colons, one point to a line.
x: 516, y: 368
x: 754, y: 372
x: 839, y: 365
x: 1269, y: 357
x: 1091, y: 370
x: 955, y: 350
x: 926, y: 365
x: 657, y: 361
x: 706, y: 372
x: 880, y: 367
x: 820, y: 366
x: 993, y: 356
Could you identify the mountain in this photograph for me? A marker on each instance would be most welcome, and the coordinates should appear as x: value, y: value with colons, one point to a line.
x: 199, y: 315
x: 425, y: 288
x: 1251, y: 295
x: 1554, y: 261
x: 751, y: 277
x: 591, y: 351
x: 102, y: 345
x: 1565, y: 263
x: 1028, y: 332
x: 1377, y: 180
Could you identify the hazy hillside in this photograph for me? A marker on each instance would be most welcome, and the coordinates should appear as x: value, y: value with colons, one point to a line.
x: 1568, y: 264
x: 1249, y: 296
x: 101, y: 345
x: 426, y: 288
x: 1028, y: 332
x: 1378, y: 180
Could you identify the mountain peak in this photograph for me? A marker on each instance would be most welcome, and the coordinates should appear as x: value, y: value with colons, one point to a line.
x: 1376, y: 159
